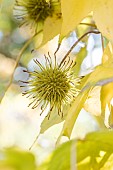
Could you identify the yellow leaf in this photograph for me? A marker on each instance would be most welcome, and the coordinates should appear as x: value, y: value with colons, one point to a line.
x: 92, y: 104
x: 107, y: 90
x: 52, y: 27
x: 79, y: 59
x: 106, y: 96
x: 73, y: 12
x: 72, y: 115
x: 103, y: 16
x: 54, y: 119
x: 108, y: 53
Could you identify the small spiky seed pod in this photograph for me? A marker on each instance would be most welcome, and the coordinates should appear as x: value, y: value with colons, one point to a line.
x: 34, y: 12
x: 54, y: 84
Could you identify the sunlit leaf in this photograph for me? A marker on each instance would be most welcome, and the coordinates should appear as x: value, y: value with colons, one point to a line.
x: 54, y: 119
x: 73, y: 12
x: 89, y: 150
x: 108, y: 164
x: 86, y: 25
x: 73, y: 113
x: 93, y: 104
x: 99, y: 77
x: 106, y: 96
x: 107, y: 90
x: 103, y: 74
x: 103, y: 14
x: 79, y: 59
x: 52, y: 27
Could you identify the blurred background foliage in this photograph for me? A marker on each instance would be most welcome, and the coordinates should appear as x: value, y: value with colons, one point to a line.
x: 19, y: 125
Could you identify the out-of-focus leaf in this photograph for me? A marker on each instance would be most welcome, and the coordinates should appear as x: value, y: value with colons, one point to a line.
x: 5, y: 72
x: 79, y: 59
x: 6, y: 69
x: 107, y: 90
x: 93, y: 104
x: 2, y: 88
x: 111, y: 117
x: 89, y: 150
x: 5, y: 23
x: 7, y: 5
x: 108, y: 164
x: 104, y: 22
x: 16, y: 159
x: 92, y: 152
x: 61, y: 158
x: 73, y: 12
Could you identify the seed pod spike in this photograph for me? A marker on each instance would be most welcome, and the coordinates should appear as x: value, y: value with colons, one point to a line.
x: 53, y: 85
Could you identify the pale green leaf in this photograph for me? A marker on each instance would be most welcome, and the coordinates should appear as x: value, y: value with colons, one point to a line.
x: 90, y: 153
x: 60, y: 158
x: 6, y: 5
x: 54, y: 119
x: 16, y: 159
x: 89, y: 150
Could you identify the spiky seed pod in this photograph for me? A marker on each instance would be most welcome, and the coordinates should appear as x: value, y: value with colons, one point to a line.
x: 54, y: 84
x: 34, y: 12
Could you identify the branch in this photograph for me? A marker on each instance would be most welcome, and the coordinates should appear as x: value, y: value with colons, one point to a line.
x: 18, y: 59
x: 74, y: 45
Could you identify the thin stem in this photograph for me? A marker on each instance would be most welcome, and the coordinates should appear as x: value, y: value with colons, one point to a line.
x: 18, y: 59
x: 74, y: 45
x: 82, y: 23
x: 57, y: 48
x: 33, y: 142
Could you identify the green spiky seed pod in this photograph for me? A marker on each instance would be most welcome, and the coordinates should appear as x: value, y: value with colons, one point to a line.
x: 54, y: 84
x: 34, y: 12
